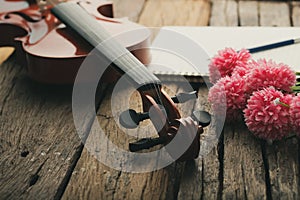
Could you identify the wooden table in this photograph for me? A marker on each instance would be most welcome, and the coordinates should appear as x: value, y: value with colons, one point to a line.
x: 42, y: 156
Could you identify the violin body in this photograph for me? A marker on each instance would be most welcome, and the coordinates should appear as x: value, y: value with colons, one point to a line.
x: 53, y: 52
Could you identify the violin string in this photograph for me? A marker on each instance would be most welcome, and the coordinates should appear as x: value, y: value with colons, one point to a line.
x: 131, y: 59
x: 132, y: 62
x: 136, y: 66
x: 111, y: 48
x: 142, y: 72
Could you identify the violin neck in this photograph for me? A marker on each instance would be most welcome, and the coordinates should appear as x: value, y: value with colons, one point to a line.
x: 75, y: 17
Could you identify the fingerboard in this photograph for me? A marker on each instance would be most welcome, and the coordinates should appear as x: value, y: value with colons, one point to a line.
x: 75, y: 17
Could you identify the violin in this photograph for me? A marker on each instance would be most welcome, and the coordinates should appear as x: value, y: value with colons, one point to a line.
x: 173, y: 130
x: 53, y: 52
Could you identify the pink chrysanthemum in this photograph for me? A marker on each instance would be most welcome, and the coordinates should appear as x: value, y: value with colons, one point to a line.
x: 295, y: 114
x: 264, y: 74
x: 243, y: 70
x: 267, y: 114
x: 228, y: 96
x: 225, y: 61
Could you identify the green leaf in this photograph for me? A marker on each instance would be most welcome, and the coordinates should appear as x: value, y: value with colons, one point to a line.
x: 295, y: 88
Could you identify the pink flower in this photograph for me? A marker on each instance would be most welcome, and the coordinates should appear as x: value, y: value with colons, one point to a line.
x: 267, y: 114
x: 224, y: 63
x: 243, y: 70
x: 264, y: 74
x: 228, y: 95
x: 295, y: 114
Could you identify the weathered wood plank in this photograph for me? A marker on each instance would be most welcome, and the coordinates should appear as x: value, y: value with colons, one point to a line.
x: 200, y: 179
x: 244, y: 173
x: 175, y: 13
x: 38, y: 144
x: 191, y: 181
x: 93, y: 180
x: 128, y: 8
x: 242, y: 177
x: 296, y: 13
x: 274, y: 14
x: 284, y: 169
x: 281, y: 157
x: 224, y: 13
x: 210, y: 152
x: 248, y: 13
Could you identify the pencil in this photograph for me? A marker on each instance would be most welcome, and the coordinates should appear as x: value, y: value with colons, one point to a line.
x: 274, y: 45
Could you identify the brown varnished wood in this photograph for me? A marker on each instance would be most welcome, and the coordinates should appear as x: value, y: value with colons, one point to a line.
x: 54, y: 53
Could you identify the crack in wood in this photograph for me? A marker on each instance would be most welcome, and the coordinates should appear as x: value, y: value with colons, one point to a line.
x: 267, y: 172
x: 63, y: 185
x: 291, y: 12
x: 34, y: 177
x: 258, y: 14
x: 144, y: 189
x: 116, y: 184
x: 105, y: 116
x: 100, y: 93
x: 244, y: 181
x: 202, y: 177
x: 221, y: 165
x: 177, y: 179
x: 239, y: 16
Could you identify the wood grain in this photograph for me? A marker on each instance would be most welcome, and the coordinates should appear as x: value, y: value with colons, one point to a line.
x: 248, y: 13
x: 200, y: 179
x: 175, y: 13
x: 102, y: 182
x: 244, y: 172
x: 284, y: 169
x: 93, y: 180
x: 39, y: 144
x: 42, y: 156
x: 274, y: 14
x: 224, y: 13
x: 282, y: 157
x: 296, y: 13
x: 241, y: 166
x: 130, y: 9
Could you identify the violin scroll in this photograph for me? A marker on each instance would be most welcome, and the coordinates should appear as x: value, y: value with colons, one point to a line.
x: 173, y: 130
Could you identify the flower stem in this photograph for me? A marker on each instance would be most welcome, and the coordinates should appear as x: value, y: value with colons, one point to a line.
x: 277, y: 101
